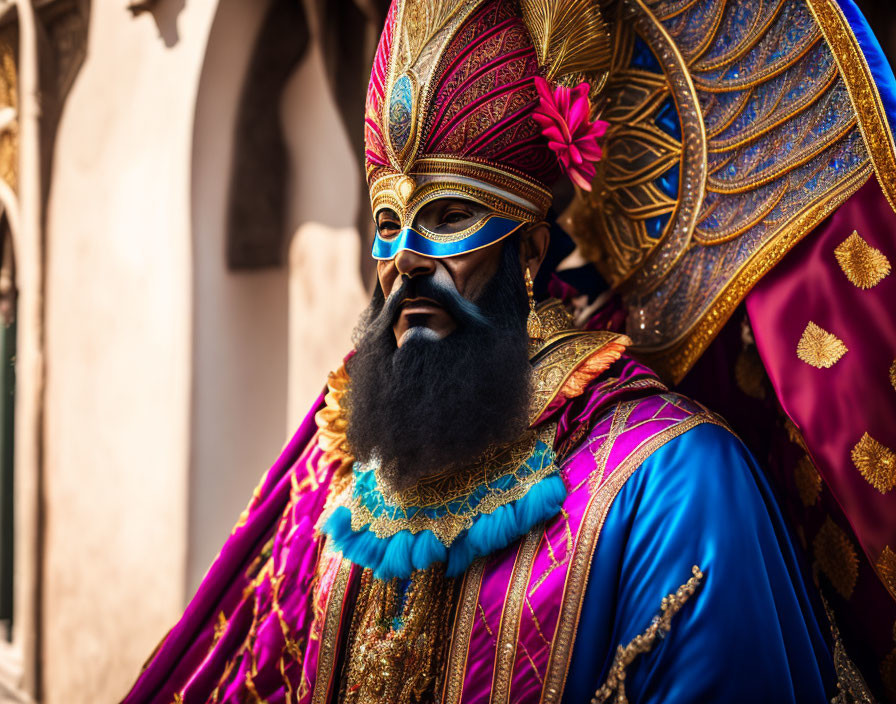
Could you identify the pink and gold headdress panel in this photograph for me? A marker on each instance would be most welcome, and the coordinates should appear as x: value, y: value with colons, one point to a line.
x: 472, y: 100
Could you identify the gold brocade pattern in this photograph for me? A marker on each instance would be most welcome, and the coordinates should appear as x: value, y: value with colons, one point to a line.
x: 893, y: 374
x: 863, y: 265
x: 614, y: 688
x: 819, y: 348
x: 836, y: 557
x: 568, y: 361
x: 876, y: 462
x: 553, y: 318
x: 886, y: 569
x: 808, y: 481
x: 565, y: 358
x: 398, y: 641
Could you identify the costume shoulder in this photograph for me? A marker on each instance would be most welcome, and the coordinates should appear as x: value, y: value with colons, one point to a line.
x: 695, y: 520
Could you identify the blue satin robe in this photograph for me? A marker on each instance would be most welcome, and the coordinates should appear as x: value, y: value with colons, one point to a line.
x: 749, y: 634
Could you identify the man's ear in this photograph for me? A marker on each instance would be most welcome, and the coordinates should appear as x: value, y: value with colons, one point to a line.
x: 534, y: 246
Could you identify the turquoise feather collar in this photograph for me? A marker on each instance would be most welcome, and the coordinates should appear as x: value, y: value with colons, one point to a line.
x: 451, y: 519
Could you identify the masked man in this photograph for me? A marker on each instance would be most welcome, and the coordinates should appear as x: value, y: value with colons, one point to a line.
x: 491, y: 504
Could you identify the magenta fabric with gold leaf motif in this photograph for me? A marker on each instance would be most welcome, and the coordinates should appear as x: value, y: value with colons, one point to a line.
x: 829, y: 347
x: 834, y: 407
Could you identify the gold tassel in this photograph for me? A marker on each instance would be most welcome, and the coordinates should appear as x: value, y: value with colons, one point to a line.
x: 533, y: 322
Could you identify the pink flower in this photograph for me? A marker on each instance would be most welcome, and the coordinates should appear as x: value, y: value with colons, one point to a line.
x: 563, y: 118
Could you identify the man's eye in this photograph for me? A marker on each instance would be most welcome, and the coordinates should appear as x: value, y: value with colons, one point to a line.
x: 455, y: 216
x: 387, y: 226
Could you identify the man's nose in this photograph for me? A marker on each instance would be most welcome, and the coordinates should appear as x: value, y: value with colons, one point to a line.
x: 412, y: 264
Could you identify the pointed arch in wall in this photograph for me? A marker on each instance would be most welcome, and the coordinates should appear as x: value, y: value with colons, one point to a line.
x: 240, y: 325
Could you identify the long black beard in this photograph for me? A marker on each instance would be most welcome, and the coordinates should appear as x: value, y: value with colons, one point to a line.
x: 436, y: 405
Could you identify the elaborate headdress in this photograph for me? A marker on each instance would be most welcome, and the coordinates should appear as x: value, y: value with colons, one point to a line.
x: 473, y: 100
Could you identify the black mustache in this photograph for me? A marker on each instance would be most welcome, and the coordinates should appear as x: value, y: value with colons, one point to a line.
x: 463, y: 311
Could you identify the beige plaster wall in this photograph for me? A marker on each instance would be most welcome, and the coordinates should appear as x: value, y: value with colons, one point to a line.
x: 119, y: 349
x: 240, y: 352
x: 172, y: 383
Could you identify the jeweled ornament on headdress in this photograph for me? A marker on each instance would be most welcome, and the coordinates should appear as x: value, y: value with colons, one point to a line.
x: 454, y: 110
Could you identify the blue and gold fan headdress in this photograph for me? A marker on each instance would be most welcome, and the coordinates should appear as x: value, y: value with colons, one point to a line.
x: 736, y: 128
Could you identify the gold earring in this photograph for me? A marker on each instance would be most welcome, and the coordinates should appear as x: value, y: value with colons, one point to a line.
x: 533, y: 322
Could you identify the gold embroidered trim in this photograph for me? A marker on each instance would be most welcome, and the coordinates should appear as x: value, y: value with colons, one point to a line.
x: 463, y: 629
x: 851, y: 686
x: 819, y: 348
x: 863, y: 92
x: 807, y: 480
x: 580, y: 562
x: 326, y: 663
x: 876, y: 462
x: 508, y: 631
x: 863, y: 265
x: 614, y: 687
x: 836, y: 557
x: 886, y: 569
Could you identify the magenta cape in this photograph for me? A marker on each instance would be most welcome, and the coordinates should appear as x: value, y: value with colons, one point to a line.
x: 289, y: 491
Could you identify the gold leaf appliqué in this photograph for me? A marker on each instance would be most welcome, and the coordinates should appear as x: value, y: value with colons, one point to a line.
x: 808, y: 481
x: 819, y: 348
x: 888, y: 674
x: 876, y: 462
x: 863, y: 265
x: 836, y: 558
x: 886, y: 568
